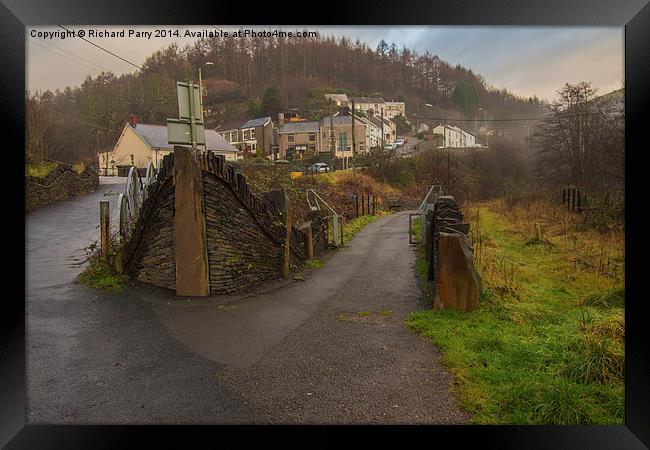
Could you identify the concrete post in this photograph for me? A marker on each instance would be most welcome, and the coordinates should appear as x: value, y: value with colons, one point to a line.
x: 190, y: 245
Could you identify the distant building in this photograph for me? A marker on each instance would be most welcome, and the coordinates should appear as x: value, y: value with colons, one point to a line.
x: 338, y: 99
x: 369, y: 105
x: 340, y: 128
x: 453, y: 137
x: 394, y: 109
x: 249, y: 135
x: 298, y: 139
x: 141, y: 144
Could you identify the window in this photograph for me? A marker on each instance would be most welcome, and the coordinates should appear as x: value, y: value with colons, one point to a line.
x: 290, y: 137
x: 247, y: 135
x: 233, y: 136
x: 312, y: 137
x: 312, y: 148
x: 253, y: 133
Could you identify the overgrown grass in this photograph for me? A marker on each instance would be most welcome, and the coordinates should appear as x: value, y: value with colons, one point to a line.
x: 314, y: 263
x: 99, y: 275
x: 39, y: 170
x: 357, y: 224
x: 545, y: 345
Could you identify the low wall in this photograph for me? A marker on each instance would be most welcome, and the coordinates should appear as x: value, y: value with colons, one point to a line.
x: 456, y: 283
x: 245, y: 233
x: 62, y: 183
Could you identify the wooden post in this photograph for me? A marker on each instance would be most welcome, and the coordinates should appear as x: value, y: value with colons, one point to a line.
x: 342, y: 242
x: 105, y: 223
x: 286, y: 254
x: 309, y: 243
x: 363, y: 205
x: 573, y: 199
x: 368, y: 200
x: 563, y: 196
x: 356, y: 205
x: 190, y: 244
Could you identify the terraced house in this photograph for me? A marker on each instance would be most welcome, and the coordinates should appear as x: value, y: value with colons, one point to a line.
x: 298, y: 139
x: 250, y: 135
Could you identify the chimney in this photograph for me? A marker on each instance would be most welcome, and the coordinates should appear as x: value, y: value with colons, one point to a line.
x: 280, y: 119
x: 133, y: 121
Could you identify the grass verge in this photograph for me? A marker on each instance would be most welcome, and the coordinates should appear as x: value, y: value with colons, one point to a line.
x: 545, y: 345
x: 99, y: 275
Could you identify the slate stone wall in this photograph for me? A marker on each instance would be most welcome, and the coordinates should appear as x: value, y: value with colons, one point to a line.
x: 62, y: 183
x: 245, y: 233
x: 241, y: 251
x: 155, y: 262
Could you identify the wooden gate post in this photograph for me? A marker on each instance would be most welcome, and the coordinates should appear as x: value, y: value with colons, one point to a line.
x: 190, y: 244
x: 105, y: 223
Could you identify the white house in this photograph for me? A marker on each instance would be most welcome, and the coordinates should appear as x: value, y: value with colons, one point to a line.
x: 454, y: 137
x: 393, y: 109
x: 338, y: 99
x: 141, y: 143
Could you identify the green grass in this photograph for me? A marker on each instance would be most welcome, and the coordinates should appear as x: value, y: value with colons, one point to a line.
x: 39, y: 170
x: 546, y: 348
x: 314, y: 263
x: 358, y: 223
x: 99, y: 275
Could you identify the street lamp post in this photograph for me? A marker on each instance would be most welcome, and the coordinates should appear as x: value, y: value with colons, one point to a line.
x: 209, y: 63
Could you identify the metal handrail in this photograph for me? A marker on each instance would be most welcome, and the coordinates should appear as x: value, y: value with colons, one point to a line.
x: 336, y: 217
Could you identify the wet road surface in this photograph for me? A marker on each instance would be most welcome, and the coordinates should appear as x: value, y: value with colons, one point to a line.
x: 330, y: 349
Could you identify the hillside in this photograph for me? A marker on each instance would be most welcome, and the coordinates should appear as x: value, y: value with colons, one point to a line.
x: 251, y: 77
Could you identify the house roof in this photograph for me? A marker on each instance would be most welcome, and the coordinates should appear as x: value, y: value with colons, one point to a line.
x: 368, y: 100
x: 300, y: 127
x: 230, y: 125
x: 156, y: 137
x: 337, y: 97
x: 261, y: 121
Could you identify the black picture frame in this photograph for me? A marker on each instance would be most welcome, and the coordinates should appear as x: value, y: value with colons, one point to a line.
x: 634, y: 15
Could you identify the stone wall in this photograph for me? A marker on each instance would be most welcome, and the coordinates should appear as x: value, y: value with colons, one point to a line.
x: 456, y: 283
x: 62, y: 183
x: 244, y: 231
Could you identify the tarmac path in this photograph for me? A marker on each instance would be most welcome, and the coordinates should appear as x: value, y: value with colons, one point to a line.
x: 330, y: 349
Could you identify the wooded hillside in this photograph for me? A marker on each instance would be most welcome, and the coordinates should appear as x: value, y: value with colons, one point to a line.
x: 259, y: 76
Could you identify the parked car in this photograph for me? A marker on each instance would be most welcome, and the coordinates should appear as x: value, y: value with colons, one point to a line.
x: 319, y: 168
x: 399, y: 142
x: 390, y: 147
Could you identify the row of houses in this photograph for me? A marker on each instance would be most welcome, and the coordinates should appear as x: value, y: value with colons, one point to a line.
x: 295, y: 138
x: 371, y: 106
x: 290, y: 137
x: 450, y: 136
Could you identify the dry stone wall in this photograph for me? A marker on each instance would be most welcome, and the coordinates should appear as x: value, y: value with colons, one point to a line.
x: 245, y: 232
x: 62, y: 183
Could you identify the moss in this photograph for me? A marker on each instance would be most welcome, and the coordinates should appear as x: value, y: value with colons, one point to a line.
x: 39, y: 170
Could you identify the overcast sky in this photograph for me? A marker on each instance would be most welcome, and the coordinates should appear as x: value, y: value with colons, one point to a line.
x: 525, y: 60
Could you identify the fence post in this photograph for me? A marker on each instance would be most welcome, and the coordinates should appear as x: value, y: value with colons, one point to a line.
x: 309, y: 243
x: 573, y: 199
x: 363, y: 205
x: 579, y: 203
x: 356, y: 205
x: 342, y: 242
x: 368, y: 200
x: 104, y: 222
x: 563, y: 196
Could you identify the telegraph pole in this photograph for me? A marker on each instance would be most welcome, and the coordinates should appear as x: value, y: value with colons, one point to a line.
x: 354, y: 145
x: 382, y: 130
x: 332, y: 143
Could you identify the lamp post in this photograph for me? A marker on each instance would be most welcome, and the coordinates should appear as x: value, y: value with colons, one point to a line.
x: 209, y: 63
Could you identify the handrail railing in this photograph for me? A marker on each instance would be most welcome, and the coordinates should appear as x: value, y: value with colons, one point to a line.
x: 336, y: 218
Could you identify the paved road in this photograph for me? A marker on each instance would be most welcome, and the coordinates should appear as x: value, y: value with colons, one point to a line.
x: 330, y: 349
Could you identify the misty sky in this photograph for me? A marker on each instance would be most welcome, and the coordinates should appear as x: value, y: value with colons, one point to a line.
x: 525, y: 60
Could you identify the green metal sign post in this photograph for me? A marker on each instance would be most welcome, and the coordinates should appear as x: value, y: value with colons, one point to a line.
x: 189, y: 128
